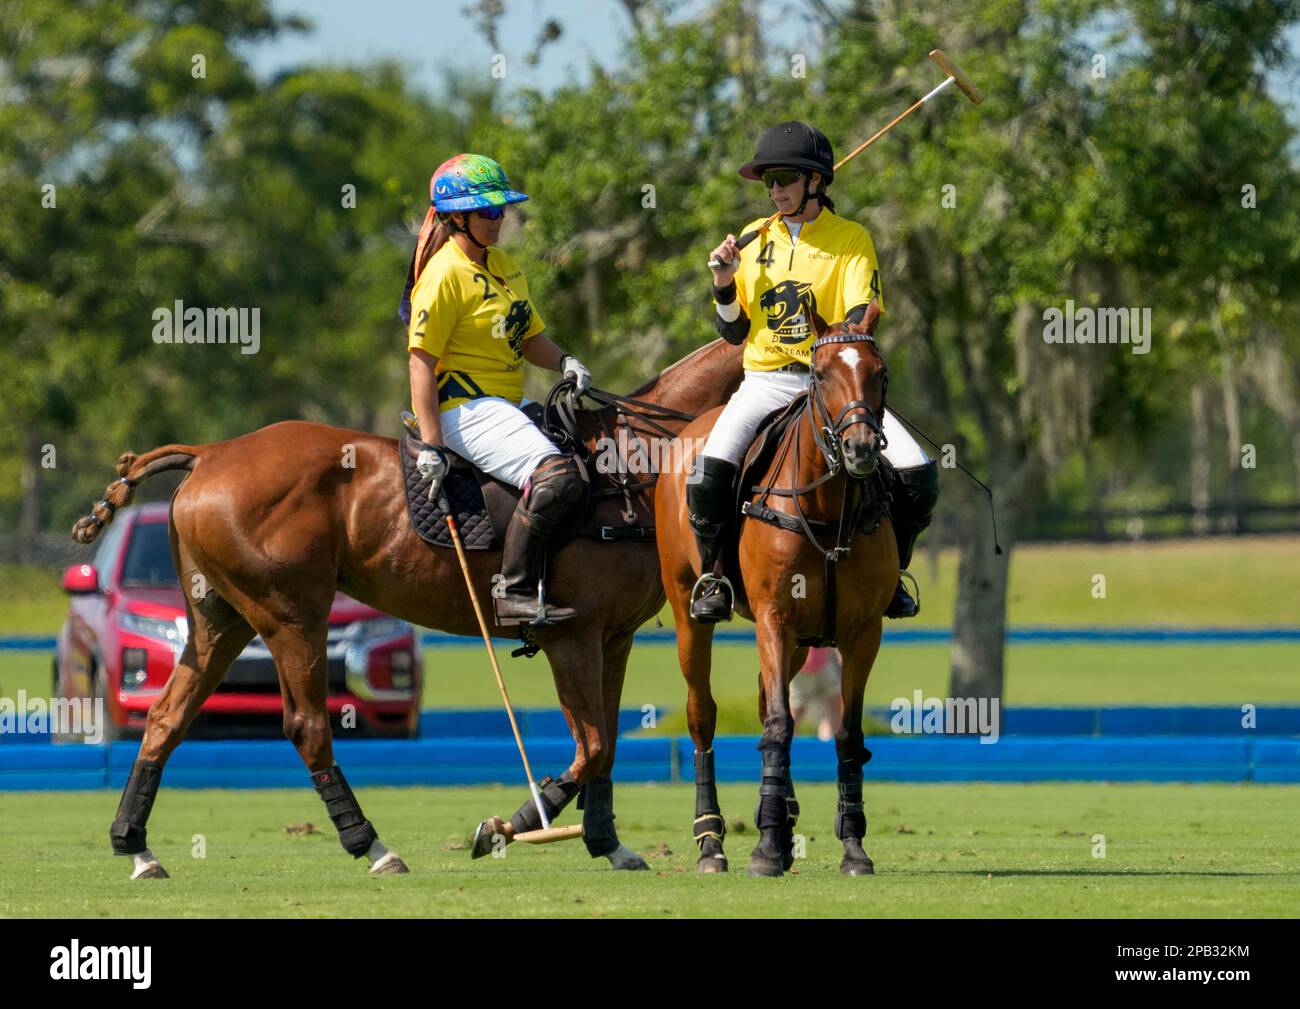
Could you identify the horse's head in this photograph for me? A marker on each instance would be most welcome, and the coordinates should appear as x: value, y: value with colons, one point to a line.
x: 848, y: 393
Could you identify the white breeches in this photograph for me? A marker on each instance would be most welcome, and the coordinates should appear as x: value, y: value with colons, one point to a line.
x: 761, y: 392
x: 497, y: 437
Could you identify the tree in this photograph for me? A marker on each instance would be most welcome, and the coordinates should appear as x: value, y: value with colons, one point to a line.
x: 100, y: 101
x: 1063, y: 190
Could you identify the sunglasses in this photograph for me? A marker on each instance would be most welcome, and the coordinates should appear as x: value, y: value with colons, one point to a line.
x: 491, y: 213
x: 780, y: 177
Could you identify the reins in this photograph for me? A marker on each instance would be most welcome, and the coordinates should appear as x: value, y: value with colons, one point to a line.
x: 635, y: 416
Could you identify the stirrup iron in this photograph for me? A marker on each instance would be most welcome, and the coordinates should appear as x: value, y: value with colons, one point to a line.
x: 707, y: 580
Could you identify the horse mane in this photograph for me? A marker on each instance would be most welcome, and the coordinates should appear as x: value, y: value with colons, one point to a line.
x: 647, y: 386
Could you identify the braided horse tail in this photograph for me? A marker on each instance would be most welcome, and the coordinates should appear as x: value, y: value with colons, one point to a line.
x: 131, y: 469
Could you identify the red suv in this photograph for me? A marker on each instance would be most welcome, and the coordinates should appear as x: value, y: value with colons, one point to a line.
x: 126, y: 628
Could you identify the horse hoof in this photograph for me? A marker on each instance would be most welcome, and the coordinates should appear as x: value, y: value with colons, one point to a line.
x: 857, y: 867
x: 483, y: 837
x: 389, y: 865
x: 760, y: 865
x: 150, y: 870
x: 712, y: 863
x: 625, y: 858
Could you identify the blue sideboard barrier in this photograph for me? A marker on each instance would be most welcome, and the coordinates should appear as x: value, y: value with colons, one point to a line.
x: 275, y: 764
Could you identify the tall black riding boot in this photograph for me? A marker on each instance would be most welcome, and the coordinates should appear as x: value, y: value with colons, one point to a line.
x: 556, y: 490
x: 913, y: 507
x: 709, y: 504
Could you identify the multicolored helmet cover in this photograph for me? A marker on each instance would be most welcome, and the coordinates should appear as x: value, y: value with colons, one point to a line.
x: 470, y: 181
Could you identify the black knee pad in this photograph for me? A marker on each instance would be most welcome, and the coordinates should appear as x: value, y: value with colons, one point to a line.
x: 557, y: 492
x: 598, y: 832
x: 918, y: 493
x: 924, y: 481
x: 128, y: 833
x: 355, y: 832
x: 556, y: 794
x: 710, y: 494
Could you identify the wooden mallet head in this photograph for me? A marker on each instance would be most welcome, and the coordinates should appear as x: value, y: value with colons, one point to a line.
x: 964, y: 83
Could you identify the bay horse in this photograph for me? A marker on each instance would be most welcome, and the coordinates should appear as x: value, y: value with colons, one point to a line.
x: 823, y: 479
x: 266, y: 527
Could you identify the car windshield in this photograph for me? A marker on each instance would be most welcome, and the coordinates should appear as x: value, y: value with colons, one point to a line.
x: 149, y: 558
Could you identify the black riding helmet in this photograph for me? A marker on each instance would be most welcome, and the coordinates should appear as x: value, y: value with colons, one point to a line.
x: 793, y: 145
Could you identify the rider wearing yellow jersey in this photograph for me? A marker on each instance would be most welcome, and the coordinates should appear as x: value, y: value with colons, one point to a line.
x: 810, y: 261
x: 471, y: 325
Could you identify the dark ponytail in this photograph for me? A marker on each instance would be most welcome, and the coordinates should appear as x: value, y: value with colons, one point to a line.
x: 435, y: 231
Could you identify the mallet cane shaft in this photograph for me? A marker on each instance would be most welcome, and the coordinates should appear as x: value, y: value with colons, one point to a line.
x: 492, y: 654
x: 955, y: 76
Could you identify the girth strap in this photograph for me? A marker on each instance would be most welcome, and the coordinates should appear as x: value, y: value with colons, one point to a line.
x: 615, y: 533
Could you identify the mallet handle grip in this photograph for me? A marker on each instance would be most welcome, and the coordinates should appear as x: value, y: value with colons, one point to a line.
x: 741, y: 242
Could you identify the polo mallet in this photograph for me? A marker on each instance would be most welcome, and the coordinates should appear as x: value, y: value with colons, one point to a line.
x: 547, y: 833
x: 954, y: 76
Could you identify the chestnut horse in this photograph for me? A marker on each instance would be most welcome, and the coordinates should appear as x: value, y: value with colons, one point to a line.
x: 828, y: 457
x: 268, y: 526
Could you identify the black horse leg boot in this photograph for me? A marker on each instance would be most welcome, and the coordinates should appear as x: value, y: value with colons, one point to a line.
x: 913, y: 508
x: 556, y: 489
x: 709, y: 501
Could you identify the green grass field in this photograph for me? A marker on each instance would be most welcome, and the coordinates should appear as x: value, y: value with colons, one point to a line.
x: 1230, y: 582
x: 940, y: 850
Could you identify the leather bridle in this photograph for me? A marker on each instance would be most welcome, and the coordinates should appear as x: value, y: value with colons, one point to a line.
x: 827, y: 431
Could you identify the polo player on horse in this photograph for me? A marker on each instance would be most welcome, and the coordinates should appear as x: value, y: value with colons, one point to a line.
x: 471, y: 326
x: 813, y: 261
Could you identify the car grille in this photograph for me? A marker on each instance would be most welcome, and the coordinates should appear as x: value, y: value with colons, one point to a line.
x: 254, y: 672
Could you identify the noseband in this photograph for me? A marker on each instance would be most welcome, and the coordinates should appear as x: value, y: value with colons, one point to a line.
x: 827, y: 431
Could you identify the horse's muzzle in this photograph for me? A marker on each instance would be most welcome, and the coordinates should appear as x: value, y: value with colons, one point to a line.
x: 861, y: 456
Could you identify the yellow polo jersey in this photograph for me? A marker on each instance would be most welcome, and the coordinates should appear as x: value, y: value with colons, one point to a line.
x: 475, y: 322
x: 830, y: 269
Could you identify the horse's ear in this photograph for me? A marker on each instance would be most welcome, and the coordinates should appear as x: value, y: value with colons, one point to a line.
x: 819, y: 325
x: 870, y: 319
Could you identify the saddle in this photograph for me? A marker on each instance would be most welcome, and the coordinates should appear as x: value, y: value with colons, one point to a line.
x: 757, y: 461
x: 483, y: 505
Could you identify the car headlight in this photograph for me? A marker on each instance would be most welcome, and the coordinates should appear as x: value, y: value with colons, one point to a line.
x: 158, y: 628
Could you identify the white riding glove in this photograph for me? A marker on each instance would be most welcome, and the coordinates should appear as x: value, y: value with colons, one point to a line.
x: 574, y: 369
x: 432, y: 464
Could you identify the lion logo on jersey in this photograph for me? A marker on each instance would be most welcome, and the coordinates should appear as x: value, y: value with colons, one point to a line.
x: 518, y: 319
x: 790, y: 306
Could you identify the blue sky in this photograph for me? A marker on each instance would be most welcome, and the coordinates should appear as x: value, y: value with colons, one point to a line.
x: 431, y: 36
x: 428, y: 37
